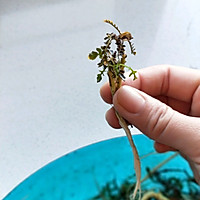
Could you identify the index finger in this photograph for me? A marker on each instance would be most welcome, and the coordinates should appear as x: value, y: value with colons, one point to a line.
x: 162, y: 80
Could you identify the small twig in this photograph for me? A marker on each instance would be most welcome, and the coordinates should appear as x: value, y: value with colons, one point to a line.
x: 159, y: 166
x: 148, y: 154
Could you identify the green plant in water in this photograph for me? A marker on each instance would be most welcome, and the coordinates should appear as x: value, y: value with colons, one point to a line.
x: 113, y: 62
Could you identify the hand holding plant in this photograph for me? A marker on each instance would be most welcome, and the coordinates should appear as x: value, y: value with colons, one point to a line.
x: 164, y: 103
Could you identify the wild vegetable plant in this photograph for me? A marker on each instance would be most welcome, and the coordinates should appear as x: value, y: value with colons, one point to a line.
x: 113, y: 62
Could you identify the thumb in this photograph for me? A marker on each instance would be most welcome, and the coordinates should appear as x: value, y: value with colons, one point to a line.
x: 159, y: 121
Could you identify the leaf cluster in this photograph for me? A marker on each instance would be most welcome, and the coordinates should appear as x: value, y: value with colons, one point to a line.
x: 113, y: 60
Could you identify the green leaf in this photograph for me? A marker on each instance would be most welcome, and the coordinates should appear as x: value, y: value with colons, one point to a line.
x: 93, y: 55
x: 99, y: 77
x: 99, y: 50
x: 134, y: 74
x: 100, y: 64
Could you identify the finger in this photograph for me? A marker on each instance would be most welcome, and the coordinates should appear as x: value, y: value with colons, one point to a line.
x: 106, y: 93
x: 176, y: 82
x: 158, y: 121
x: 112, y: 119
x: 195, y: 107
x: 196, y: 169
x: 180, y: 106
x: 161, y: 148
x: 179, y: 86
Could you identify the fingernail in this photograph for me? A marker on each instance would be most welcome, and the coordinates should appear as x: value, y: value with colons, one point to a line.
x: 128, y: 98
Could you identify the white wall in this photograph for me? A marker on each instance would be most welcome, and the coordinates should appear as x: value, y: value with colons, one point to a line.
x: 49, y: 99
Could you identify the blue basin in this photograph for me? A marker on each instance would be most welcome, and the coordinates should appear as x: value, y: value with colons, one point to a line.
x: 79, y: 174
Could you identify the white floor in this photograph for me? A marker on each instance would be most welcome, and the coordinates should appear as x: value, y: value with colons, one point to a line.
x: 49, y: 99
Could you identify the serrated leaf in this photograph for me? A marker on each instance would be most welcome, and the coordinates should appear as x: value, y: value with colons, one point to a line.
x: 93, y: 55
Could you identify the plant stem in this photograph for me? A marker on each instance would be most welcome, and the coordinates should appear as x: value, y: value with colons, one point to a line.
x: 137, y: 164
x: 115, y: 85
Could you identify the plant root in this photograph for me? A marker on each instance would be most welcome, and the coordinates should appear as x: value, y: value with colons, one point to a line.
x: 137, y: 164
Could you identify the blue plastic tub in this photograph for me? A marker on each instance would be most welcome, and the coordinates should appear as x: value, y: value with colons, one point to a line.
x: 80, y: 174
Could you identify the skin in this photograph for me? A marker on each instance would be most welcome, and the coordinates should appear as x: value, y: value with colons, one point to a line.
x: 164, y: 104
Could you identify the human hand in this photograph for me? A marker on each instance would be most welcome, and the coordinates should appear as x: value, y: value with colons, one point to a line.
x: 164, y: 104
